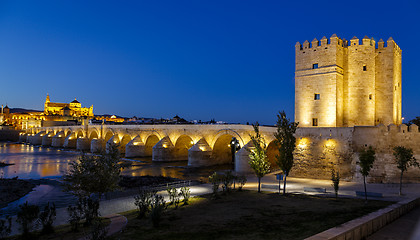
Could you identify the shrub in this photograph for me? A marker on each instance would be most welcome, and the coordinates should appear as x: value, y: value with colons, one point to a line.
x: 215, y: 180
x: 98, y: 231
x: 46, y: 218
x: 335, y: 178
x: 185, y: 193
x: 5, y: 227
x: 90, y: 209
x: 227, y: 179
x: 156, y: 209
x: 26, y: 217
x: 173, y: 196
x: 143, y: 201
x: 75, y: 216
x: 241, y: 181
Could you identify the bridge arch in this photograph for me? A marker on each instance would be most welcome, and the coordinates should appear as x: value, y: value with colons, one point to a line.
x: 149, y: 142
x: 182, y: 144
x: 93, y: 135
x: 80, y: 133
x: 231, y: 132
x: 222, y: 153
x: 108, y: 135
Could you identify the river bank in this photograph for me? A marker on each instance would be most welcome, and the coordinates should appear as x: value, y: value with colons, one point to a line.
x: 13, y: 189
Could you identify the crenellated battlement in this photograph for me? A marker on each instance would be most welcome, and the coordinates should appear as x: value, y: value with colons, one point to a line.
x: 335, y: 40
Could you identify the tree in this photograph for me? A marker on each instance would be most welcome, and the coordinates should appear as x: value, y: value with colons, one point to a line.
x: 415, y: 121
x: 404, y: 159
x: 366, y: 159
x: 258, y: 155
x: 286, y: 143
x: 335, y: 178
x: 94, y: 174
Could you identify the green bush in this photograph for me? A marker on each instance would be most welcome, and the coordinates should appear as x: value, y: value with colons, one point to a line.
x: 156, y: 209
x: 46, y: 219
x: 215, y: 180
x: 75, y: 216
x: 173, y: 196
x: 143, y: 201
x: 26, y: 217
x: 241, y: 181
x: 185, y: 193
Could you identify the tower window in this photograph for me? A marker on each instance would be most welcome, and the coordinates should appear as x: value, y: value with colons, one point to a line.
x: 315, y: 66
x: 370, y: 96
x: 364, y: 68
x: 317, y: 96
x: 314, y: 122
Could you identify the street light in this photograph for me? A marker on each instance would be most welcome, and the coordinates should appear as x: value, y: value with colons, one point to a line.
x: 234, y: 147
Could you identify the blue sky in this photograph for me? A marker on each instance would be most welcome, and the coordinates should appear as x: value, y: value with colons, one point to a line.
x: 228, y: 60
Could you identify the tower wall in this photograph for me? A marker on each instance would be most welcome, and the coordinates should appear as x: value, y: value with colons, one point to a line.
x: 361, y: 83
x: 342, y: 84
x: 324, y: 79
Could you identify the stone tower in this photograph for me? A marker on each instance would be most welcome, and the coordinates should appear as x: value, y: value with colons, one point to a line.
x: 340, y: 83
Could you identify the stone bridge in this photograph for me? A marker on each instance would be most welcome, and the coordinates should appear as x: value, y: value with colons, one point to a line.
x: 201, y: 145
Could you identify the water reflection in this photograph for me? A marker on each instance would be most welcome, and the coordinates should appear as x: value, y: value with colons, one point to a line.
x: 34, y: 162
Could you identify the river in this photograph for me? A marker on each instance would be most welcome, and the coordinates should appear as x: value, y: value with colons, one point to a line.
x: 35, y: 162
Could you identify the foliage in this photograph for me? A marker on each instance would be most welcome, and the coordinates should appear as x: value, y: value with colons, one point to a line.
x: 173, y: 196
x: 98, y: 231
x: 156, y: 209
x: 258, y: 155
x: 94, y: 173
x: 75, y: 216
x: 227, y: 180
x: 46, y: 218
x: 404, y: 159
x: 26, y: 217
x: 186, y: 194
x: 215, y: 180
x: 5, y: 227
x: 143, y: 201
x: 415, y: 121
x: 86, y: 208
x: 241, y: 180
x: 90, y: 208
x: 366, y: 159
x: 286, y: 143
x: 335, y: 178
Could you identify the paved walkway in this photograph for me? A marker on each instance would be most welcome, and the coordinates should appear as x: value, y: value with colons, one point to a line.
x: 294, y: 185
x: 402, y: 228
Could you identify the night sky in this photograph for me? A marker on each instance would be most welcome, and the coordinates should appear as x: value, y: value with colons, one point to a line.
x: 228, y: 60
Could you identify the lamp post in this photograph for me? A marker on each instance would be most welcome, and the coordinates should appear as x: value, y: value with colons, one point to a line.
x: 234, y: 147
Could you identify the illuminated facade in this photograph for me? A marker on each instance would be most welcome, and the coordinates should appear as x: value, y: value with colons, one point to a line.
x: 73, y: 109
x: 340, y: 83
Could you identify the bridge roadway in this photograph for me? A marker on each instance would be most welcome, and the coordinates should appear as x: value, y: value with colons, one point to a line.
x: 201, y: 145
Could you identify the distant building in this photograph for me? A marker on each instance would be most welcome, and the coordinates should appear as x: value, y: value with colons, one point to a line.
x: 73, y: 109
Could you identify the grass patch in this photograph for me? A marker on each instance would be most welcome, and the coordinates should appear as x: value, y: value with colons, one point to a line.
x: 63, y: 232
x: 250, y: 215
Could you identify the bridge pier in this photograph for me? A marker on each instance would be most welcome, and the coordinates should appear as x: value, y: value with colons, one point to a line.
x: 58, y: 140
x: 163, y: 151
x: 242, y: 158
x: 47, y: 139
x: 83, y: 144
x: 37, y: 139
x: 70, y: 141
x: 135, y: 148
x: 22, y: 137
x: 199, y: 154
x: 97, y: 145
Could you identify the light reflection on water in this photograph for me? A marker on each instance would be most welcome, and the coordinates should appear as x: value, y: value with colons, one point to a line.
x: 35, y: 162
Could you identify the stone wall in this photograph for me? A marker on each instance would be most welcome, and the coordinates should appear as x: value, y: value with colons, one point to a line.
x: 320, y: 149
